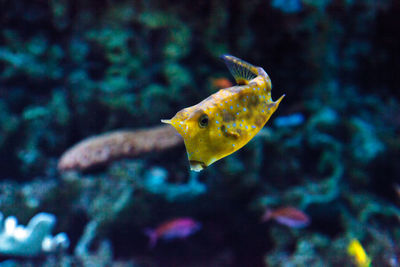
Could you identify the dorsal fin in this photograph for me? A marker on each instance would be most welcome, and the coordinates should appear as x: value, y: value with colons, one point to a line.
x: 242, y: 71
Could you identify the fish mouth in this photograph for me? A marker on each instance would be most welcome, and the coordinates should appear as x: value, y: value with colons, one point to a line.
x: 197, y: 165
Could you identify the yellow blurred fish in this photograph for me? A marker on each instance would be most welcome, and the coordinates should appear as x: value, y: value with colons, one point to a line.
x: 225, y: 121
x: 358, y: 253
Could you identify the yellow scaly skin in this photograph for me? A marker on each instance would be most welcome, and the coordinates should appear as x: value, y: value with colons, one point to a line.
x: 234, y: 116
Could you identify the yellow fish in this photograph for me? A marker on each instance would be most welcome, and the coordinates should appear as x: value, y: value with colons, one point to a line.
x: 356, y: 250
x: 227, y: 120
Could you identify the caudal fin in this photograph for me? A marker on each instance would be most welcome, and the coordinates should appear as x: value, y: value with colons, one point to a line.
x: 152, y: 234
x: 267, y: 215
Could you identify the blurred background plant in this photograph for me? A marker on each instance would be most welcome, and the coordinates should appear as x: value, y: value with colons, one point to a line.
x: 74, y: 69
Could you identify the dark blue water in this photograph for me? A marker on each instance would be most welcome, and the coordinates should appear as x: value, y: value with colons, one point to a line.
x: 70, y: 70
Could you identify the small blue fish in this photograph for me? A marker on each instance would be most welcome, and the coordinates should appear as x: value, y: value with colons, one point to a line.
x: 292, y: 120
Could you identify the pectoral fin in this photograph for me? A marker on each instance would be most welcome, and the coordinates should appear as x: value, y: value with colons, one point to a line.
x: 229, y: 133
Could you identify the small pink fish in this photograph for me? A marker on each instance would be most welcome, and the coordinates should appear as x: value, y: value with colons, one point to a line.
x: 176, y: 228
x: 288, y: 216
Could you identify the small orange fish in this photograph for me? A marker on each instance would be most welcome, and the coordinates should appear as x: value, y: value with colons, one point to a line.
x: 288, y: 216
x: 227, y: 120
x: 176, y: 228
x: 221, y: 83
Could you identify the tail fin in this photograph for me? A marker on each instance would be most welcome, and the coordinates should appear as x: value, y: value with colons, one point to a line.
x: 242, y: 71
x: 267, y: 215
x: 152, y: 234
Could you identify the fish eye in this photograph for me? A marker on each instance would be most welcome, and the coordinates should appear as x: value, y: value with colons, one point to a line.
x: 203, y: 121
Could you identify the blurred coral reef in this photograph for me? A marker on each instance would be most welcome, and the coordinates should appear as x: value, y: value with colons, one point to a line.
x: 122, y: 144
x: 32, y: 240
x: 72, y: 70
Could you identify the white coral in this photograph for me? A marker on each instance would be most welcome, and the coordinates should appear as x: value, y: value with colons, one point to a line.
x: 32, y: 240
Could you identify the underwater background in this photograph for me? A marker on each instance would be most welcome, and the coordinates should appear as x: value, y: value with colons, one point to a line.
x: 109, y: 70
